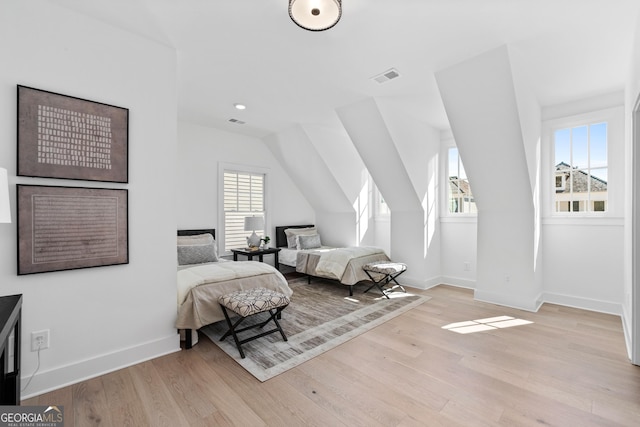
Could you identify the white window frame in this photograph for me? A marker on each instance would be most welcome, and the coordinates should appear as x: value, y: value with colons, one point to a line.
x: 382, y: 210
x: 220, y: 231
x: 614, y: 117
x: 445, y: 193
x: 586, y: 170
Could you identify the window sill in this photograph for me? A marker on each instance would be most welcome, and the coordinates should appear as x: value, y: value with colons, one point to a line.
x: 462, y: 218
x: 583, y: 220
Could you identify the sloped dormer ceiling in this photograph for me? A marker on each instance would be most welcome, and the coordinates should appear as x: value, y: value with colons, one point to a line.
x: 480, y: 99
x: 251, y: 52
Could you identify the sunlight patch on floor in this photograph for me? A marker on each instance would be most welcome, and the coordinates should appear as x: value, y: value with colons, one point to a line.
x: 394, y: 295
x: 488, y: 324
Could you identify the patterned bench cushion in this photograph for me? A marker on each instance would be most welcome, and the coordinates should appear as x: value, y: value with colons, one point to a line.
x: 252, y: 301
x: 385, y: 267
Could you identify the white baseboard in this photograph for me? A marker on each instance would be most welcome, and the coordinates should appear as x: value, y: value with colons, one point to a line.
x: 526, y: 304
x: 458, y: 282
x: 63, y: 376
x: 626, y: 317
x: 419, y: 283
x: 584, y: 303
x: 545, y: 297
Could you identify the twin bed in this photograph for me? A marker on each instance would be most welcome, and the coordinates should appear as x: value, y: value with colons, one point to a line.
x: 308, y: 256
x: 203, y: 276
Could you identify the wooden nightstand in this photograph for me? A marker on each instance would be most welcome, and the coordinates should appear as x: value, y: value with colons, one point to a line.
x: 259, y: 253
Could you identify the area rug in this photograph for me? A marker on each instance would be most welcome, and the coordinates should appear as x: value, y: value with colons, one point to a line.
x: 321, y: 316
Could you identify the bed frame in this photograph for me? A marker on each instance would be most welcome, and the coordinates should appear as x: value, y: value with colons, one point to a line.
x: 211, y: 231
x: 188, y: 340
x: 281, y: 241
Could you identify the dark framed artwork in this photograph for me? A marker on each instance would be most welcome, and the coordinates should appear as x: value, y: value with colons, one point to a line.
x: 61, y: 136
x: 65, y: 228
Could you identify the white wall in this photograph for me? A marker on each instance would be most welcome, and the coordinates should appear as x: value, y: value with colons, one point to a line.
x: 370, y: 135
x: 459, y: 246
x: 418, y: 146
x: 201, y: 149
x: 459, y: 233
x: 480, y: 100
x: 579, y: 261
x: 584, y: 256
x: 631, y: 305
x: 530, y: 113
x: 103, y: 318
x: 583, y: 264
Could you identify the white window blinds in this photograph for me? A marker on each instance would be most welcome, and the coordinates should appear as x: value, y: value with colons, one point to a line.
x: 243, y: 196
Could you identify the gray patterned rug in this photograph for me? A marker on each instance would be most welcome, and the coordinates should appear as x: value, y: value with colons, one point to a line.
x: 321, y: 316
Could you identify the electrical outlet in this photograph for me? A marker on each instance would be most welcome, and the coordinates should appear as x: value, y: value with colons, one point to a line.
x: 467, y: 266
x: 39, y: 339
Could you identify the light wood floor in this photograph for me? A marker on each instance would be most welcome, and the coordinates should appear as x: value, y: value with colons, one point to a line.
x: 568, y: 368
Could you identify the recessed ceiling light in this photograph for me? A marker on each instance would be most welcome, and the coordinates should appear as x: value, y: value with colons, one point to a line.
x: 240, y: 106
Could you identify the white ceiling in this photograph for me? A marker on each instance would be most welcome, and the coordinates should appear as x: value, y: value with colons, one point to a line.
x: 249, y: 51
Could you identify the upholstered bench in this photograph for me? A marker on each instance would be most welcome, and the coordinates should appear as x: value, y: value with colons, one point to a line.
x: 383, y: 272
x: 246, y: 303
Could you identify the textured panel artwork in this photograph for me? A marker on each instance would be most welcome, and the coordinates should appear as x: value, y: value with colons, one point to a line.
x: 64, y: 137
x: 62, y: 228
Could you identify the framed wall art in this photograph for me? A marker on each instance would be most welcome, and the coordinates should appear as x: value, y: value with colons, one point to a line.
x: 65, y: 228
x: 61, y: 136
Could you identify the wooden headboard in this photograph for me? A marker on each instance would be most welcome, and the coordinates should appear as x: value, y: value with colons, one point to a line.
x: 211, y: 231
x: 281, y: 238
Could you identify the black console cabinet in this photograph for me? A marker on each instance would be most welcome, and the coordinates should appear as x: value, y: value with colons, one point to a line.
x: 10, y: 318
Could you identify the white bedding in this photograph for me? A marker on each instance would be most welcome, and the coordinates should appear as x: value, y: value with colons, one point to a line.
x: 345, y: 265
x: 199, y: 287
x: 217, y: 272
x: 333, y: 263
x: 289, y: 256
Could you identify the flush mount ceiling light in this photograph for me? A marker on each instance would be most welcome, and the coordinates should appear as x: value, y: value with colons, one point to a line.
x: 315, y: 15
x: 240, y: 106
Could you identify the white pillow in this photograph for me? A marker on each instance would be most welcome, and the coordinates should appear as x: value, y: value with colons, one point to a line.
x: 196, y: 239
x: 308, y: 242
x: 291, y: 234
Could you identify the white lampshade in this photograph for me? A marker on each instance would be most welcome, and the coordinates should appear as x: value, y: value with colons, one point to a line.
x: 315, y: 15
x: 5, y: 208
x: 253, y: 223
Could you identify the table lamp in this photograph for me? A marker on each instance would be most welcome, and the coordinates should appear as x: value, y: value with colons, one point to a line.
x: 253, y: 223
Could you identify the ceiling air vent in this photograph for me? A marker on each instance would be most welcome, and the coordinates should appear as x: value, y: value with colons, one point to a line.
x: 236, y: 121
x: 386, y: 76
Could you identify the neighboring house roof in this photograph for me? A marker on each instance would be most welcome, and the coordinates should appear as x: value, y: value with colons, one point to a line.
x: 459, y: 185
x: 580, y: 180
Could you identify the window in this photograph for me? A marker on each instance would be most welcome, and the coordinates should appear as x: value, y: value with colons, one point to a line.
x: 460, y: 197
x: 244, y: 195
x: 580, y: 170
x: 382, y: 209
